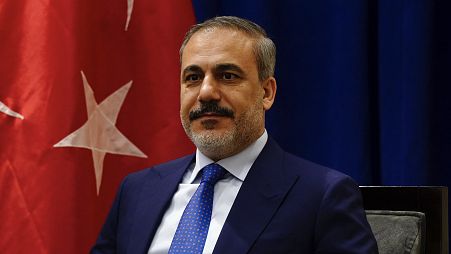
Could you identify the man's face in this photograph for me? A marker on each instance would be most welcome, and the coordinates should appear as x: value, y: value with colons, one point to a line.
x: 222, y: 99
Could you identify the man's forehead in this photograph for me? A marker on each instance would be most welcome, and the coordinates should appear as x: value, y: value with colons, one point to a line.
x: 220, y: 47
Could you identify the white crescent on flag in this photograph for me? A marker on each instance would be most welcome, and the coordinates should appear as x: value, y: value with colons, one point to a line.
x: 129, y: 13
x: 99, y: 133
x: 5, y: 109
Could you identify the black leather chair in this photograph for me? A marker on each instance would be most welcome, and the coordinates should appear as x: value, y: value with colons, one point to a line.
x: 408, y: 219
x: 398, y: 232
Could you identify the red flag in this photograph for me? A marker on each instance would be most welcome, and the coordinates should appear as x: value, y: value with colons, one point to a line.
x: 89, y: 92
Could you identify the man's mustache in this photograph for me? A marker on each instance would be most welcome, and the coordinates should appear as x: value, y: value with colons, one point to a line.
x: 210, y: 107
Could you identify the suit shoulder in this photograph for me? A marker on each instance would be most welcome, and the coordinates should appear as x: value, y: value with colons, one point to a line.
x: 165, y: 167
x: 309, y: 173
x: 314, y: 171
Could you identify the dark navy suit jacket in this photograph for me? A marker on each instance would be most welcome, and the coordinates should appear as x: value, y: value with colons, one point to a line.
x: 285, y: 205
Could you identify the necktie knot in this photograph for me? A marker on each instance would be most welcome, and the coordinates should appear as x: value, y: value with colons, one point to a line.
x: 212, y: 173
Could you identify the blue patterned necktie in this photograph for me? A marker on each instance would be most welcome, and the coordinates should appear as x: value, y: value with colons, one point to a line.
x: 193, y: 226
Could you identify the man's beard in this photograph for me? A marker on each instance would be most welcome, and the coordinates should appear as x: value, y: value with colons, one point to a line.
x: 244, y: 131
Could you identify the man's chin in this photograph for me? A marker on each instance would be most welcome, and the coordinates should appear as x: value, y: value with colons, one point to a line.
x: 209, y: 123
x: 214, y: 138
x: 213, y: 133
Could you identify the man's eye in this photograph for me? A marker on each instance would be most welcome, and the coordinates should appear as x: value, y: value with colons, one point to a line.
x: 192, y: 78
x: 229, y: 76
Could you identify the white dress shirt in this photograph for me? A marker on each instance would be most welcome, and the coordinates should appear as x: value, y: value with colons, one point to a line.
x: 225, y: 193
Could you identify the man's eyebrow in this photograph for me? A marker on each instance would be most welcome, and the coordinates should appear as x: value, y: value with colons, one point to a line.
x: 229, y: 67
x: 192, y: 68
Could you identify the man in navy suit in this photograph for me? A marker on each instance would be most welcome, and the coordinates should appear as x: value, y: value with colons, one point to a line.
x: 268, y: 201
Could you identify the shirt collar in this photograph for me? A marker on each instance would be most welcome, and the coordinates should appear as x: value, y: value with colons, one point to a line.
x: 238, y: 165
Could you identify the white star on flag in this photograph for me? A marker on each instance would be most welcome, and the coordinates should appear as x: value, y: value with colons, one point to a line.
x: 99, y: 133
x: 10, y: 112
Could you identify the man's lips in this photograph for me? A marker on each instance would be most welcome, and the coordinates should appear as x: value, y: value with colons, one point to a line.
x: 211, y: 115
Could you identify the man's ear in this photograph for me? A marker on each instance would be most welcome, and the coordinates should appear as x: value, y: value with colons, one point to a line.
x: 269, y: 87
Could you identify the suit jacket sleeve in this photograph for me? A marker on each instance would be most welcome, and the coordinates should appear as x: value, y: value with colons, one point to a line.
x: 341, y: 225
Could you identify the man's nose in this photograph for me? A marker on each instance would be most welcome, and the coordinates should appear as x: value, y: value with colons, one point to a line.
x: 209, y: 90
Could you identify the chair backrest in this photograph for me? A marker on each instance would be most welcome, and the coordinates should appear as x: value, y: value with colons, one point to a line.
x: 398, y: 232
x: 431, y: 201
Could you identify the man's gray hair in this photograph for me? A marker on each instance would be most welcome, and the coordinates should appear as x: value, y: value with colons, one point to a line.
x: 264, y: 47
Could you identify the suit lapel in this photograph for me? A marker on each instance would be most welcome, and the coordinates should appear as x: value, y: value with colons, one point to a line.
x: 258, y: 199
x: 153, y: 201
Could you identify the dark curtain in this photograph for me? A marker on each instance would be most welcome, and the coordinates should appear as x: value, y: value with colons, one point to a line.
x: 363, y: 86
